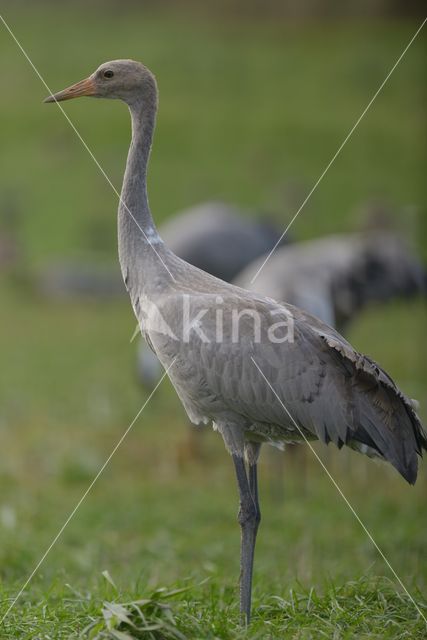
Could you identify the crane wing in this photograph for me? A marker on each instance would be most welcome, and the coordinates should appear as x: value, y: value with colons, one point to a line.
x: 313, y: 381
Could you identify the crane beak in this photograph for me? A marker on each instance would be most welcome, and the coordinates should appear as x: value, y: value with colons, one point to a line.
x: 83, y: 88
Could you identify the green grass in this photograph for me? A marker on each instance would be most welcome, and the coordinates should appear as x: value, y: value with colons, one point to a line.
x: 208, y: 611
x: 250, y: 112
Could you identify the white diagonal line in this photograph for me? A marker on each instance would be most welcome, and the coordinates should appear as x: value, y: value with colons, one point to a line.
x: 72, y: 125
x: 340, y: 148
x: 337, y: 487
x: 79, y: 503
x: 136, y: 333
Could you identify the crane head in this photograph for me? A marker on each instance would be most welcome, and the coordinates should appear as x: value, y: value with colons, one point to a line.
x: 125, y: 80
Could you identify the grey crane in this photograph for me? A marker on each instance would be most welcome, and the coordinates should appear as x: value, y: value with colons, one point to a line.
x: 218, y: 237
x: 270, y: 384
x: 335, y: 277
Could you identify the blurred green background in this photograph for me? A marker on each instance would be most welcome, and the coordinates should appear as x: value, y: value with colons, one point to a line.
x: 254, y: 101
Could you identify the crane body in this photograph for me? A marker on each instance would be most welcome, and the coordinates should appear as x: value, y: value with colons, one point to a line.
x: 336, y: 276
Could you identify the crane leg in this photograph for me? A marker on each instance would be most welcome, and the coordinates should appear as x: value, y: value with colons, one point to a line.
x: 249, y: 518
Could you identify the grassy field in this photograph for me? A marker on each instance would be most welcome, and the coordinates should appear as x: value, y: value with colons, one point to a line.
x: 250, y: 112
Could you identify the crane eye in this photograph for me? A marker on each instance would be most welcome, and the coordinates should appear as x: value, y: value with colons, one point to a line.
x: 108, y: 73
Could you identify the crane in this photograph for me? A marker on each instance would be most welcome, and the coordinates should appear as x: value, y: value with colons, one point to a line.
x: 335, y: 277
x: 219, y: 238
x: 278, y: 374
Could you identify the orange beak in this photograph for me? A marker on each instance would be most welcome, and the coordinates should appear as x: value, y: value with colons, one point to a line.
x: 82, y: 88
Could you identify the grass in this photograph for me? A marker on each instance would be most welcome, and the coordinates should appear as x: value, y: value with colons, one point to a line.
x: 251, y: 112
x: 207, y: 611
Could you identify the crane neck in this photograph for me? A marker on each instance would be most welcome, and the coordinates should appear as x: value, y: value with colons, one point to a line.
x: 136, y: 228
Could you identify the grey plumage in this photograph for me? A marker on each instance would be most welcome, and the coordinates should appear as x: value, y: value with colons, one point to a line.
x: 335, y: 277
x: 333, y: 393
x: 219, y: 238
